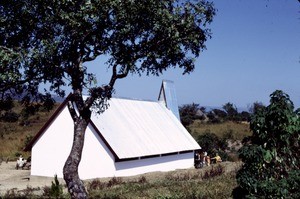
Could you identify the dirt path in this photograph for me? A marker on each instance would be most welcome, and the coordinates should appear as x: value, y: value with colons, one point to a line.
x: 10, y: 178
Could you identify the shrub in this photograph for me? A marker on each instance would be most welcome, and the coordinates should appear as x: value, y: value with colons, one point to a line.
x: 114, y: 181
x: 28, y: 139
x: 9, y: 116
x: 211, y: 143
x: 95, y: 185
x: 214, y: 171
x: 189, y: 113
x: 56, y: 189
x: 271, y: 155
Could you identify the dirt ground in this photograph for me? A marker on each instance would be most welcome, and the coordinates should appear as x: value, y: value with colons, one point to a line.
x: 11, y: 178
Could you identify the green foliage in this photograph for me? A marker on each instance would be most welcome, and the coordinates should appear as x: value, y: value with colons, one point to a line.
x: 6, y: 106
x: 48, y: 42
x: 229, y: 113
x: 18, y: 154
x: 271, y: 155
x: 189, y: 113
x: 56, y: 189
x: 9, y: 116
x: 256, y: 107
x: 28, y: 138
x: 231, y: 110
x: 211, y: 143
x: 6, y: 103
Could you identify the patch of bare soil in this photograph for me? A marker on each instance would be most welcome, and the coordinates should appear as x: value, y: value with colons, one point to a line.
x: 11, y: 178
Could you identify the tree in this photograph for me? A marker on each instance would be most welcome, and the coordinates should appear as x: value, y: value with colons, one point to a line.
x: 49, y: 42
x: 231, y: 110
x: 189, y: 113
x: 220, y: 113
x: 211, y: 143
x: 256, y: 106
x: 244, y: 116
x: 271, y: 155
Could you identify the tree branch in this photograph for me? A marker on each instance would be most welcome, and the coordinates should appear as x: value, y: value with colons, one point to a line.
x: 116, y: 76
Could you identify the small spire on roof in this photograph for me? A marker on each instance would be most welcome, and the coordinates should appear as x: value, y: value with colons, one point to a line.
x: 167, y: 96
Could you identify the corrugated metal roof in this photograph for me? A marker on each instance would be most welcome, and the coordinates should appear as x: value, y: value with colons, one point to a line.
x: 135, y: 128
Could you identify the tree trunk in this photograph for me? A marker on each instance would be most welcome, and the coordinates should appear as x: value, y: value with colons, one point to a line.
x: 75, y: 185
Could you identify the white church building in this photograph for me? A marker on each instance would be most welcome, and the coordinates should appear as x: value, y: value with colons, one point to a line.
x: 131, y: 137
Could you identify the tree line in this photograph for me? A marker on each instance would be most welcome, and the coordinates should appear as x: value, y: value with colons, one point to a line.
x: 229, y: 112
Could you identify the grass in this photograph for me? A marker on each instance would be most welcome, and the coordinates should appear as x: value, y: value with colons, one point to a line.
x: 14, y: 136
x: 237, y: 129
x: 216, y: 181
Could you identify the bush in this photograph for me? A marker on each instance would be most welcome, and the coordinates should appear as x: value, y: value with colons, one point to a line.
x: 56, y: 189
x: 9, y: 116
x: 189, y: 113
x: 27, y: 140
x: 271, y: 155
x: 211, y: 143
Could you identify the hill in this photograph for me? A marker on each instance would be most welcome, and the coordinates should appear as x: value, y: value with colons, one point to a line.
x: 15, y: 135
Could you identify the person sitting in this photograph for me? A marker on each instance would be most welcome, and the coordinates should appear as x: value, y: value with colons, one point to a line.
x: 217, y: 158
x: 20, y: 162
x: 207, y: 160
x: 197, y: 160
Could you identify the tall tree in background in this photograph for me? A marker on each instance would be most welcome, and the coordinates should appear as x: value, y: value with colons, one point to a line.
x: 46, y: 42
x: 189, y: 113
x: 231, y: 111
x: 256, y: 107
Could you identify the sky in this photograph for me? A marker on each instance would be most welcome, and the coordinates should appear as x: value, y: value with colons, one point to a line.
x: 254, y: 50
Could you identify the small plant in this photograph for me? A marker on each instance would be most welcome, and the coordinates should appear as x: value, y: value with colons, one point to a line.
x: 96, y: 185
x: 142, y: 179
x: 27, y: 140
x: 11, y: 193
x: 215, y: 171
x: 114, y: 181
x: 18, y: 154
x: 56, y: 189
x: 9, y: 116
x: 29, y: 191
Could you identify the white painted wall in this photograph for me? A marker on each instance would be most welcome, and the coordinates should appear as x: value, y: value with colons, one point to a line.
x: 97, y: 160
x: 164, y: 163
x: 51, y: 150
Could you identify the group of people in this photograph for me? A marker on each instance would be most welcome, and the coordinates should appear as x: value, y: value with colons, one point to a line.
x: 202, y: 159
x: 21, y: 163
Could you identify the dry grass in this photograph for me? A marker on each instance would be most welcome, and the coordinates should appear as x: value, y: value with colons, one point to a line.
x: 238, y: 130
x: 13, y: 136
x: 215, y: 181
